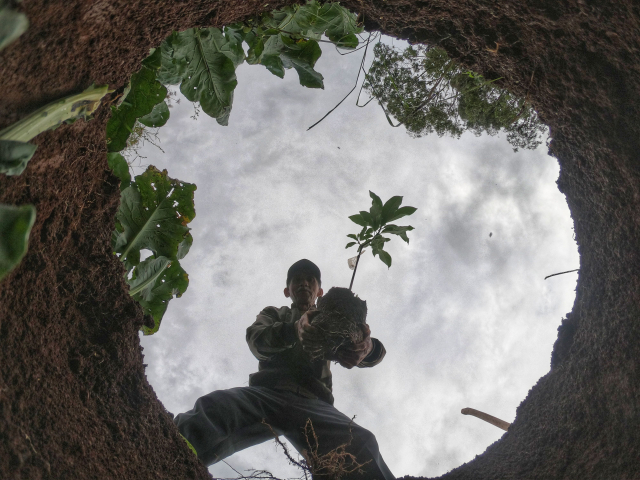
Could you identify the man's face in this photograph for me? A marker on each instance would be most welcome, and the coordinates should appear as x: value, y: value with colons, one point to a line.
x: 303, y: 289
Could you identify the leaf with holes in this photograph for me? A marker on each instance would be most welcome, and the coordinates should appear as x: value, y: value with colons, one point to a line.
x: 208, y: 59
x: 154, y: 282
x: 339, y: 24
x: 15, y: 226
x: 153, y: 215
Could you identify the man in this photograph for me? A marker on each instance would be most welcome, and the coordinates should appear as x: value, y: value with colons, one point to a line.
x: 288, y: 388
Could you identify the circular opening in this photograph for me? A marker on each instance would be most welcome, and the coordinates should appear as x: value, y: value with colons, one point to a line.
x: 464, y: 312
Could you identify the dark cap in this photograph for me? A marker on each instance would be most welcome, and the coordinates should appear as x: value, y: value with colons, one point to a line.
x: 303, y: 265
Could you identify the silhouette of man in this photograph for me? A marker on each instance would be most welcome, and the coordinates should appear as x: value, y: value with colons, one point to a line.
x: 288, y: 388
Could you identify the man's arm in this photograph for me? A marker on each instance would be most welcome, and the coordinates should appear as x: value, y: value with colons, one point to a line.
x: 270, y: 334
x: 375, y: 357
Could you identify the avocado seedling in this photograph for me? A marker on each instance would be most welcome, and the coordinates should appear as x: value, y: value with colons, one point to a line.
x: 343, y: 315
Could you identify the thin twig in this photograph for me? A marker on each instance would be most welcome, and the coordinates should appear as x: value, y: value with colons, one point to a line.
x: 561, y: 273
x: 355, y: 268
x: 350, y: 91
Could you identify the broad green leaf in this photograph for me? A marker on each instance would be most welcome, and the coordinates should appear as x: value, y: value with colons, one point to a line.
x: 14, y: 156
x: 390, y: 207
x: 145, y: 93
x: 402, y: 212
x: 280, y: 51
x: 146, y: 274
x: 15, y: 226
x: 184, y: 246
x: 385, y: 257
x: 12, y: 25
x: 351, y: 235
x: 154, y: 60
x: 210, y: 77
x: 158, y: 116
x: 154, y: 282
x: 350, y: 244
x: 120, y: 168
x: 359, y: 220
x: 172, y: 70
x: 302, y: 55
x: 339, y: 24
x: 295, y: 21
x: 55, y: 113
x: 154, y: 212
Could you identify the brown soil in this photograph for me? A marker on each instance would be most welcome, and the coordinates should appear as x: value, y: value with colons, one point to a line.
x: 74, y: 400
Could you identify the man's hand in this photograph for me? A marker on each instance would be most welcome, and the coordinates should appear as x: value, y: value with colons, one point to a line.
x: 309, y: 336
x: 352, y: 355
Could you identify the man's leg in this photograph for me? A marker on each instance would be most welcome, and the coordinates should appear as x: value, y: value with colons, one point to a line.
x: 227, y: 421
x: 333, y: 429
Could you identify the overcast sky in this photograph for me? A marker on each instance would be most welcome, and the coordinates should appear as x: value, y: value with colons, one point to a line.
x: 465, y: 316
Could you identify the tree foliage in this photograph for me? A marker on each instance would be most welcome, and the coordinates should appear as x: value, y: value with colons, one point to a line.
x: 427, y: 92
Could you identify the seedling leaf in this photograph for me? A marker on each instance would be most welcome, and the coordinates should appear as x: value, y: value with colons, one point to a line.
x: 385, y: 257
x: 15, y: 226
x: 359, y: 220
x: 402, y: 212
x: 390, y: 207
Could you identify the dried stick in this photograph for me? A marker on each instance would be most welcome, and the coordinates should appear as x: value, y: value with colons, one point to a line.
x: 486, y: 417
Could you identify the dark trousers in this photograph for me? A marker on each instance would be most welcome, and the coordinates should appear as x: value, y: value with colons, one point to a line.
x: 227, y: 421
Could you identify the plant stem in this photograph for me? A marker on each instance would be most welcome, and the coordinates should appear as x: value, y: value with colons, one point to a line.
x: 355, y: 268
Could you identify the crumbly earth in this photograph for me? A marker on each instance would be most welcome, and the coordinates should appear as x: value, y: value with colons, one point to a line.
x: 342, y: 316
x: 74, y: 400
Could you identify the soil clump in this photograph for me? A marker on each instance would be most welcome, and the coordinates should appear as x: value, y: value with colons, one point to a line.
x: 341, y: 319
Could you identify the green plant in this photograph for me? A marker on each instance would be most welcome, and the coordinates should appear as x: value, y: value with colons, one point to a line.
x: 12, y: 25
x: 142, y: 101
x: 15, y: 226
x: 153, y: 215
x: 15, y: 152
x: 426, y: 91
x: 375, y: 224
x: 203, y: 61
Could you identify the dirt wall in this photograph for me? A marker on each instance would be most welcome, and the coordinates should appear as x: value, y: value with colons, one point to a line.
x: 74, y: 400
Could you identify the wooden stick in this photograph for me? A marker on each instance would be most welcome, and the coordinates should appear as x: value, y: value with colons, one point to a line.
x: 486, y: 417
